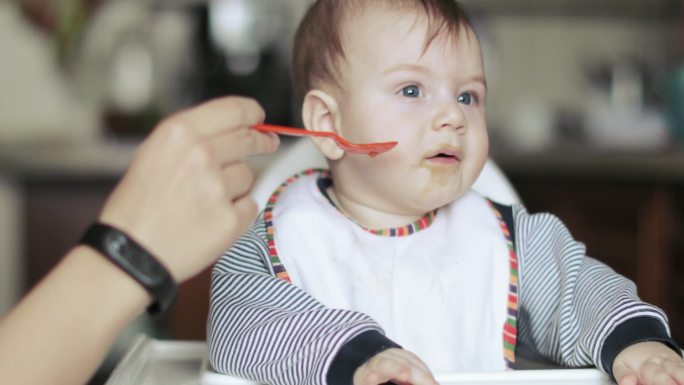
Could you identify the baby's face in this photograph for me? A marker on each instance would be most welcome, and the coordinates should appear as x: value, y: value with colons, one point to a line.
x: 431, y: 102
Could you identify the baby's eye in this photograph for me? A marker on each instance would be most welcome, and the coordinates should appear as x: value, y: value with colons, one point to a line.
x: 466, y: 98
x: 410, y: 91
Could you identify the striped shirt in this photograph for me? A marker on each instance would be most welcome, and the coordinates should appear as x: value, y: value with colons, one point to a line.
x: 573, y: 310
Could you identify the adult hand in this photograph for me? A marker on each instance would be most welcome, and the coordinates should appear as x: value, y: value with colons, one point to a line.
x: 398, y: 366
x: 185, y: 196
x: 648, y: 363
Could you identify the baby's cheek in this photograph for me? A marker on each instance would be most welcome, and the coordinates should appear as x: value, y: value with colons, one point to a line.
x: 477, y: 150
x: 394, y: 158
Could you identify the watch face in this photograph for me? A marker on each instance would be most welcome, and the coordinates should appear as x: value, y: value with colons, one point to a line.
x: 118, y: 244
x: 134, y: 259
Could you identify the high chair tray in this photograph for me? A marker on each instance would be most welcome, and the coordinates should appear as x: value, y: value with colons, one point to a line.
x: 153, y: 362
x: 518, y: 377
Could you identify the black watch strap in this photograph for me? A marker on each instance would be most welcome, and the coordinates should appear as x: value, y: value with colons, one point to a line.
x: 137, y: 262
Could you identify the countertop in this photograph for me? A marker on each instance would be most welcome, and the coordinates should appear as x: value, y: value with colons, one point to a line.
x: 109, y: 159
x: 105, y: 160
x: 92, y: 159
x: 665, y: 166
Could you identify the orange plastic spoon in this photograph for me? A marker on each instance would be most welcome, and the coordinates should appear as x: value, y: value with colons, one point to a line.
x: 371, y: 149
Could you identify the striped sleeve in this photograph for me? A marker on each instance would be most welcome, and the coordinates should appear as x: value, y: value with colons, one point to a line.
x: 268, y: 330
x: 574, y: 310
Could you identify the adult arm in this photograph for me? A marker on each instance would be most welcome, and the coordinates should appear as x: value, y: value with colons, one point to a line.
x: 184, y: 198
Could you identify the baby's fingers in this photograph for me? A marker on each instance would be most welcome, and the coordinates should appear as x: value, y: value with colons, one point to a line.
x: 624, y: 374
x: 388, y: 367
x: 653, y: 372
x: 627, y: 379
x: 412, y: 358
x: 403, y: 373
x: 675, y: 368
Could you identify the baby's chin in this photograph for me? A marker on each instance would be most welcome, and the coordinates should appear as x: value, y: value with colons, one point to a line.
x: 421, y: 204
x: 438, y: 198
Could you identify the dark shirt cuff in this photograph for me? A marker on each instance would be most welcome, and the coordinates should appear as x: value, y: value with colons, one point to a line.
x: 355, y: 353
x: 630, y: 332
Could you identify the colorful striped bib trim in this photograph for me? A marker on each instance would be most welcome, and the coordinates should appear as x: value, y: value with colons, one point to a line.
x: 421, y: 223
x: 510, y: 332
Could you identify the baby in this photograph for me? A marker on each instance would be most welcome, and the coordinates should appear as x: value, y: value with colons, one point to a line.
x: 391, y: 268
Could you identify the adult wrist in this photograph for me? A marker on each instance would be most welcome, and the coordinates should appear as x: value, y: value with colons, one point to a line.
x: 132, y: 258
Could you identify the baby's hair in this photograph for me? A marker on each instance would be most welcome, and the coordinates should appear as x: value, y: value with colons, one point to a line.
x: 318, y: 44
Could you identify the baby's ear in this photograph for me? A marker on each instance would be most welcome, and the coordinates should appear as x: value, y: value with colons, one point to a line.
x: 320, y: 113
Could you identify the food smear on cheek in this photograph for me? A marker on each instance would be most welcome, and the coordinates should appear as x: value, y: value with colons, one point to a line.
x: 438, y: 177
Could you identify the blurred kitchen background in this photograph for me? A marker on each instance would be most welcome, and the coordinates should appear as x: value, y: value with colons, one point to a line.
x: 585, y: 109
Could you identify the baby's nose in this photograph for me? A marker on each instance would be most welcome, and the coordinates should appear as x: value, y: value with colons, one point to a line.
x: 450, y: 117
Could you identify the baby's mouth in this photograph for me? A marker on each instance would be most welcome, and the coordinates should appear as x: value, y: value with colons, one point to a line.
x: 445, y: 155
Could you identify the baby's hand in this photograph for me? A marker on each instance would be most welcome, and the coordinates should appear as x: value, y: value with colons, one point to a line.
x: 394, y: 365
x: 648, y: 363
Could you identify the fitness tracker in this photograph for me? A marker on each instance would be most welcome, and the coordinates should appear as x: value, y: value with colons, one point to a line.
x: 137, y: 262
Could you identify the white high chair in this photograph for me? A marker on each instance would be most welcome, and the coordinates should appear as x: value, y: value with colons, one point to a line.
x: 302, y: 155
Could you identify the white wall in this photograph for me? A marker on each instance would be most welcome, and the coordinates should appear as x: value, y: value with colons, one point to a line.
x: 37, y: 104
x: 547, y: 57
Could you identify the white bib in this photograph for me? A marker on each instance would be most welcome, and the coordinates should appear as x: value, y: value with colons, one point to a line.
x: 440, y: 292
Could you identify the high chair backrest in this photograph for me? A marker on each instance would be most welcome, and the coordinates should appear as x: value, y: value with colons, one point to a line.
x: 302, y: 155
